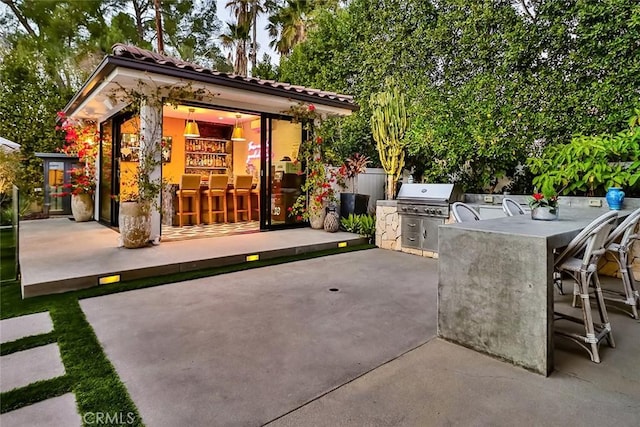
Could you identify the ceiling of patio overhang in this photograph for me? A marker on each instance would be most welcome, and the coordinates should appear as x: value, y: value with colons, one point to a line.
x: 99, y: 105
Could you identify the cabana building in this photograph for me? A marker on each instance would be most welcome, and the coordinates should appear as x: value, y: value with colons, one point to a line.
x: 231, y: 131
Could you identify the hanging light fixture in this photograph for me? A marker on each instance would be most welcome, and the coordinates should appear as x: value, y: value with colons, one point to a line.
x: 238, y: 133
x: 191, y: 129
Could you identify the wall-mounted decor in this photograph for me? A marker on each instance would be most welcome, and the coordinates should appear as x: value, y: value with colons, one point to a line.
x: 129, y: 147
x: 166, y: 148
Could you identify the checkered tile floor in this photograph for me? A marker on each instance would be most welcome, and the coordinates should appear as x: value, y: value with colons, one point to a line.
x: 203, y: 231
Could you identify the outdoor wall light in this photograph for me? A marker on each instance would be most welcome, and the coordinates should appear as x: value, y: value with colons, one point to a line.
x: 191, y: 129
x: 238, y: 133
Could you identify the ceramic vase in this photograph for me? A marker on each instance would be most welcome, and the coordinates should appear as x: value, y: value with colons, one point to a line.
x: 134, y: 220
x: 316, y: 218
x: 615, y: 197
x: 82, y: 207
x: 545, y: 213
x: 332, y: 222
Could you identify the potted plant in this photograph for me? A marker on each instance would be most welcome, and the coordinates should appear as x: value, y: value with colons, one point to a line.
x: 544, y: 207
x: 353, y: 203
x: 81, y: 140
x: 317, y: 188
x: 141, y: 186
x: 140, y: 189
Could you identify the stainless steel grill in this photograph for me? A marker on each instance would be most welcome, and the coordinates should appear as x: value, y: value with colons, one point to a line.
x: 422, y: 208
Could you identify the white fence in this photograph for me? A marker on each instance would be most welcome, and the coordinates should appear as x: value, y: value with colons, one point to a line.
x: 372, y: 182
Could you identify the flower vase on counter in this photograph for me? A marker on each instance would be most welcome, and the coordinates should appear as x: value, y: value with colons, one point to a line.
x: 545, y: 213
x: 615, y: 197
x: 544, y: 207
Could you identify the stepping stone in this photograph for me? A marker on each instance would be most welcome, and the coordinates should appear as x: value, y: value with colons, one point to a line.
x: 54, y: 412
x: 25, y: 326
x: 25, y: 367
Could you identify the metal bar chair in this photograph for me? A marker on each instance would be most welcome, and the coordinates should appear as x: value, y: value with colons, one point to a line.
x: 584, y: 271
x: 464, y: 213
x: 511, y: 207
x: 619, y: 244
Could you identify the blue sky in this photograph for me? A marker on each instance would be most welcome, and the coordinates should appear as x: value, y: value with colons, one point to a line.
x: 263, y: 36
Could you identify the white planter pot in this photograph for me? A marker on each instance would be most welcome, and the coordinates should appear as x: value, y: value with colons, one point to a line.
x: 545, y: 213
x: 82, y: 207
x: 316, y: 219
x: 134, y: 221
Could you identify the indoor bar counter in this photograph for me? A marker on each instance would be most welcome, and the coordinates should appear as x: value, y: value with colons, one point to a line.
x: 495, y: 286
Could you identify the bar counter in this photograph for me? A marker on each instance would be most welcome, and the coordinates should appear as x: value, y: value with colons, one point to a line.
x: 495, y: 286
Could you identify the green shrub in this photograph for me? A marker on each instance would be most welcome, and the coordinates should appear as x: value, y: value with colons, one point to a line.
x: 6, y: 215
x: 365, y: 224
x: 591, y: 164
x: 350, y: 224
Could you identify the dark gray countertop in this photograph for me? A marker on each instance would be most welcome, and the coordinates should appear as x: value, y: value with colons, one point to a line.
x: 571, y: 220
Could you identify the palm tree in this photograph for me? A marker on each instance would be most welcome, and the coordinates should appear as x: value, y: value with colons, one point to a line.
x: 288, y: 25
x: 246, y: 13
x: 235, y: 39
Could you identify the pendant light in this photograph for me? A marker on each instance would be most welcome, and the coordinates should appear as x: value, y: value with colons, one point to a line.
x: 238, y: 133
x: 191, y: 129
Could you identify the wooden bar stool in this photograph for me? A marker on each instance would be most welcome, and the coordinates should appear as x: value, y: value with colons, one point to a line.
x: 242, y: 190
x: 189, y: 192
x: 217, y: 190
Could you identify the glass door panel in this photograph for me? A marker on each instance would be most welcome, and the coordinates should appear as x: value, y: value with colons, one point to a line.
x: 106, y: 171
x: 55, y: 187
x: 127, y: 159
x: 285, y: 170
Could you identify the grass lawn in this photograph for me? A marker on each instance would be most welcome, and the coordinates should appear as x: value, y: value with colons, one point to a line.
x: 89, y: 374
x: 7, y: 254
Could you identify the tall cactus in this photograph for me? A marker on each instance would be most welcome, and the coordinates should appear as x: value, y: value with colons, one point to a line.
x: 388, y: 125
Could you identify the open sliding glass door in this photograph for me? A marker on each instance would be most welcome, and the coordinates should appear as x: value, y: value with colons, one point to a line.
x: 281, y: 168
x: 265, y: 173
x: 106, y: 203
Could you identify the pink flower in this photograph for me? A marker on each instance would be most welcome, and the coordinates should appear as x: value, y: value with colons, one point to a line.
x: 312, y: 107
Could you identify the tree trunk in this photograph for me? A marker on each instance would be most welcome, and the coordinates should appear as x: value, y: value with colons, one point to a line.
x: 156, y: 4
x: 391, y: 187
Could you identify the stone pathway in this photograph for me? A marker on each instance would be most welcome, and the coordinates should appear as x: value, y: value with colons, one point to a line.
x: 54, y: 412
x: 25, y: 367
x: 25, y: 326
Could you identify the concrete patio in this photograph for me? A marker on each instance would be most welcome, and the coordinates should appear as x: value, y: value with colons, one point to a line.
x: 276, y: 346
x: 59, y: 255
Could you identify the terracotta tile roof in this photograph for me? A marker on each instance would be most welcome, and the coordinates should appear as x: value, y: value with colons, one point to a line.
x: 133, y: 52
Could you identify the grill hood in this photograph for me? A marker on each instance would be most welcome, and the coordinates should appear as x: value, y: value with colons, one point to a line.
x: 429, y: 193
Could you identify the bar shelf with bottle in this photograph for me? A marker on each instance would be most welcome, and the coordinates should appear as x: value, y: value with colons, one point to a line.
x: 206, y: 155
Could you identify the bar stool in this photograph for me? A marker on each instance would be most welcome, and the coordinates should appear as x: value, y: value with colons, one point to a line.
x: 464, y: 213
x: 217, y: 190
x: 242, y: 190
x: 511, y: 207
x: 580, y: 261
x: 619, y: 244
x: 189, y: 192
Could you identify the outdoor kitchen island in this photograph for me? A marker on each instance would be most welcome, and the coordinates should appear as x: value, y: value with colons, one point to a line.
x: 495, y: 285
